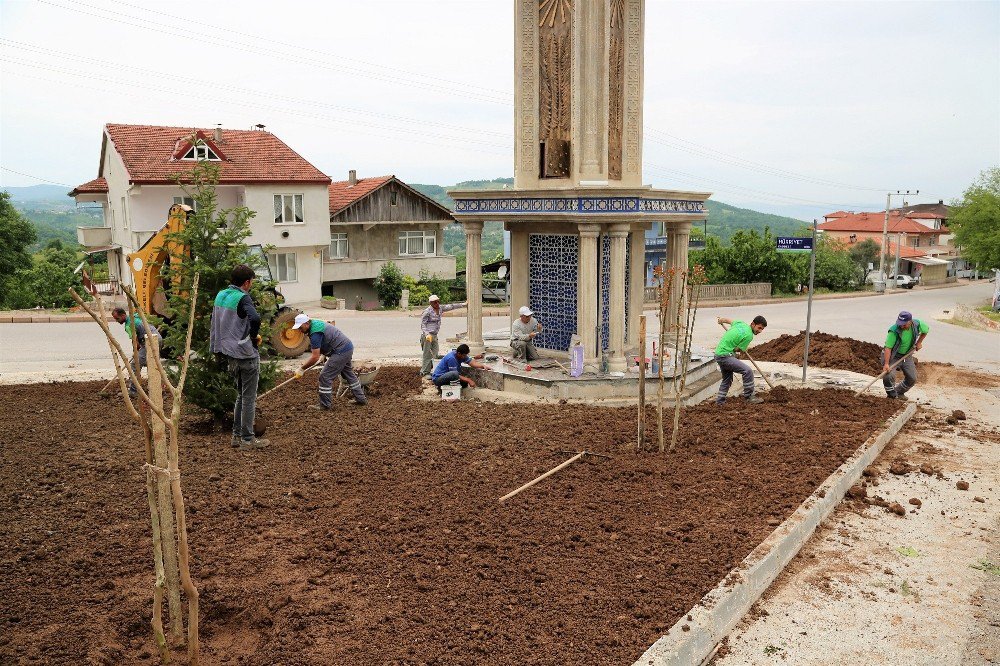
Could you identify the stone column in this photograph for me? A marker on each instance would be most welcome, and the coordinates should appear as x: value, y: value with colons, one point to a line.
x: 474, y: 284
x: 616, y: 300
x: 637, y: 282
x: 586, y: 297
x: 678, y: 236
x: 518, y: 270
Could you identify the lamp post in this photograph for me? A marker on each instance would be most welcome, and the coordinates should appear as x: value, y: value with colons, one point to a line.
x: 885, y: 231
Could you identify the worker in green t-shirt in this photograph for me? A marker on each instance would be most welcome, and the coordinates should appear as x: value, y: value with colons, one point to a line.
x: 905, y: 337
x: 737, y: 339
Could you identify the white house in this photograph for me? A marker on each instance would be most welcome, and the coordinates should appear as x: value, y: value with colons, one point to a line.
x: 135, y: 187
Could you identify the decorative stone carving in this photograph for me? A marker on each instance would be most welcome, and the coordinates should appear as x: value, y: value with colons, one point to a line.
x: 616, y: 87
x: 555, y: 22
x: 527, y: 139
x: 632, y: 121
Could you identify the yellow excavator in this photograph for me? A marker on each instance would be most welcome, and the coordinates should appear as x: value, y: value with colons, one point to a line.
x: 160, y: 249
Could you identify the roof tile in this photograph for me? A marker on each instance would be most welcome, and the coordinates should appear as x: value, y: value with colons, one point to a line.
x: 96, y: 186
x: 343, y: 194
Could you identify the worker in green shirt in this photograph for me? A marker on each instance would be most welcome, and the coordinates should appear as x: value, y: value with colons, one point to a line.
x: 905, y: 336
x: 737, y: 339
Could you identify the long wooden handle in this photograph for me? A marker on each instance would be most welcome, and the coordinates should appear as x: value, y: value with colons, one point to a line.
x: 543, y: 476
x: 884, y: 373
x: 287, y: 381
x: 768, y: 381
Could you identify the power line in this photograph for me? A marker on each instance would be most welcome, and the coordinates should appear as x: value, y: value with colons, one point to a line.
x: 28, y: 175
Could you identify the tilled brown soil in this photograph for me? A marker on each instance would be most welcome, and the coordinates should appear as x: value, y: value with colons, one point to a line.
x: 825, y: 351
x: 373, y: 535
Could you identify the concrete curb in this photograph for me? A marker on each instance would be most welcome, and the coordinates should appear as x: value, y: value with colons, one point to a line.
x: 722, y: 608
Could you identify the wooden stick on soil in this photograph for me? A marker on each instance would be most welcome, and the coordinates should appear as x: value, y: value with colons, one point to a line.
x: 641, y: 418
x: 543, y: 476
x: 287, y: 381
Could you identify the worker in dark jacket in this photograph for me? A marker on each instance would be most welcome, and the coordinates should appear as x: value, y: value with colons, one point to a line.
x: 234, y: 338
x: 905, y: 336
x: 330, y: 341
x: 136, y: 329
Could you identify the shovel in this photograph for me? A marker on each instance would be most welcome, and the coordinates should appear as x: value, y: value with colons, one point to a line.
x: 892, y: 368
x: 747, y: 352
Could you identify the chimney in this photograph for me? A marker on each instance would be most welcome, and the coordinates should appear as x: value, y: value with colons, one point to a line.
x: 352, y: 177
x: 217, y: 134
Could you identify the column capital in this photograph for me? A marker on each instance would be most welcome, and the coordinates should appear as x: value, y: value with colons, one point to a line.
x: 473, y: 227
x: 619, y: 229
x: 589, y: 230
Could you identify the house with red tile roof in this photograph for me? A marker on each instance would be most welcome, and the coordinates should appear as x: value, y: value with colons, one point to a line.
x: 377, y: 220
x: 918, y: 238
x: 136, y: 186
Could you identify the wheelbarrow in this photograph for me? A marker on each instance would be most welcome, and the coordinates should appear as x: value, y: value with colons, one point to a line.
x: 366, y: 379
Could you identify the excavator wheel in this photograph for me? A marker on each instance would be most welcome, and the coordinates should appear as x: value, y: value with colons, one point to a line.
x: 287, y: 341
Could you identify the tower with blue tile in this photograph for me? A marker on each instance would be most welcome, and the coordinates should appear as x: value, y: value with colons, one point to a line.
x: 578, y: 212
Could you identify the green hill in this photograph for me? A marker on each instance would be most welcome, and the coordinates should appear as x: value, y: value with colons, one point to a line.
x: 53, y: 215
x: 723, y: 220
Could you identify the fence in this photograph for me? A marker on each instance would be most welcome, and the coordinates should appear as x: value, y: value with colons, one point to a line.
x: 722, y: 292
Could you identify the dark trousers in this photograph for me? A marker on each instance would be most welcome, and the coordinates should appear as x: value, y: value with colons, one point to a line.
x: 909, y: 368
x: 730, y: 365
x: 447, y: 378
x: 339, y: 364
x: 246, y: 371
x: 138, y: 363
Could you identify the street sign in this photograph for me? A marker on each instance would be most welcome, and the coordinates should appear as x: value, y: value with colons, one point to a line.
x: 790, y: 244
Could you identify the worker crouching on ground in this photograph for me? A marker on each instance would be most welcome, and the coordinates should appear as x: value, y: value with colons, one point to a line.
x: 898, y: 343
x: 737, y: 339
x: 234, y: 339
x: 430, y: 326
x: 330, y: 341
x: 136, y: 328
x: 522, y: 335
x: 449, y: 368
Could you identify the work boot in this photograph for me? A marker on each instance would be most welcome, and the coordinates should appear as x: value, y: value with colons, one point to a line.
x: 255, y: 443
x: 359, y: 403
x: 900, y: 396
x: 754, y: 400
x: 235, y: 441
x: 320, y: 408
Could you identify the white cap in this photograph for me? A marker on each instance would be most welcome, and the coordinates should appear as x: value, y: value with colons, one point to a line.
x: 525, y: 311
x: 433, y: 297
x: 300, y: 319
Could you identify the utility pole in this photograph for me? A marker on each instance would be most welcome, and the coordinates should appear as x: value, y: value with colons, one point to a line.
x: 885, y: 232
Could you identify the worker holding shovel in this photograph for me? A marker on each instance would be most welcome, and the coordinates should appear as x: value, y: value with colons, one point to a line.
x: 737, y: 339
x: 330, y: 341
x: 137, y: 329
x: 905, y: 338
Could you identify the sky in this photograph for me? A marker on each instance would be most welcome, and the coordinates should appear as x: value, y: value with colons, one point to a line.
x: 800, y: 108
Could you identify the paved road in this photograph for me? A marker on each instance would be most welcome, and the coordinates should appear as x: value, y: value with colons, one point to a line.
x: 50, y: 351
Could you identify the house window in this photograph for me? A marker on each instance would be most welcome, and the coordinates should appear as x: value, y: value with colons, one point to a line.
x: 283, y: 266
x: 392, y: 198
x: 417, y: 243
x: 287, y: 208
x: 185, y: 201
x: 200, y: 151
x: 915, y: 241
x: 124, y: 214
x: 338, y: 246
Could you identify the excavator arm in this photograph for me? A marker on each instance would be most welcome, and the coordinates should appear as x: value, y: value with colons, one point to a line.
x: 146, y: 262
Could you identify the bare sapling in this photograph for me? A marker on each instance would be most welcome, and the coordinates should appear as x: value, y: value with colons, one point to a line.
x: 641, y: 418
x: 695, y: 279
x: 677, y: 308
x: 162, y: 465
x: 666, y: 280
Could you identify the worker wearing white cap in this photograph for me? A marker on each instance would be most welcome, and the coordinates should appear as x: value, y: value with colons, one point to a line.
x: 339, y: 351
x: 430, y: 324
x: 522, y: 335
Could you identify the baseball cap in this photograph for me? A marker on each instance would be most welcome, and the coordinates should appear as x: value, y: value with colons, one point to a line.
x: 903, y: 318
x: 526, y: 311
x: 434, y: 297
x: 300, y: 319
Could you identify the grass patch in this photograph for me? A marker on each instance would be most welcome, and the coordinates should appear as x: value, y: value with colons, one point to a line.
x: 907, y: 551
x: 987, y: 566
x: 988, y: 312
x: 773, y: 649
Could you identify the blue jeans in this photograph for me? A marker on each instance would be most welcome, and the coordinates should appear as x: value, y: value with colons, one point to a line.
x: 730, y: 365
x: 447, y: 378
x: 246, y: 371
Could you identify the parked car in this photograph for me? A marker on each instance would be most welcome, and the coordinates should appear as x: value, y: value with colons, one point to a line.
x: 904, y: 281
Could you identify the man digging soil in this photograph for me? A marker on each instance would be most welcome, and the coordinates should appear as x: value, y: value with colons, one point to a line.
x: 737, y: 339
x: 339, y: 351
x: 900, y: 346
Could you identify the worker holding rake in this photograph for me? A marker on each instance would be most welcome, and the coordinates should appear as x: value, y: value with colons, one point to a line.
x: 905, y: 338
x: 330, y: 341
x: 737, y: 339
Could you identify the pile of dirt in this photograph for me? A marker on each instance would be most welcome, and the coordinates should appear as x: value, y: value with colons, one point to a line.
x: 373, y: 535
x: 825, y: 351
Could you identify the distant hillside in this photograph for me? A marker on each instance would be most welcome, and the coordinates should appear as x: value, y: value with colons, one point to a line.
x: 53, y: 214
x: 723, y: 220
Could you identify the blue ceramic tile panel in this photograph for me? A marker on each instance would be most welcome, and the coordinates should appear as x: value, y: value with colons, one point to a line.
x: 553, y: 265
x: 606, y: 287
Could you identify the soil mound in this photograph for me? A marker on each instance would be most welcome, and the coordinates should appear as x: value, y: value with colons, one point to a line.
x: 825, y: 350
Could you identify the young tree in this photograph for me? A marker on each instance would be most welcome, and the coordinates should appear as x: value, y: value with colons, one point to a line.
x: 864, y: 254
x: 211, y: 244
x: 975, y: 219
x: 16, y: 234
x: 389, y: 285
